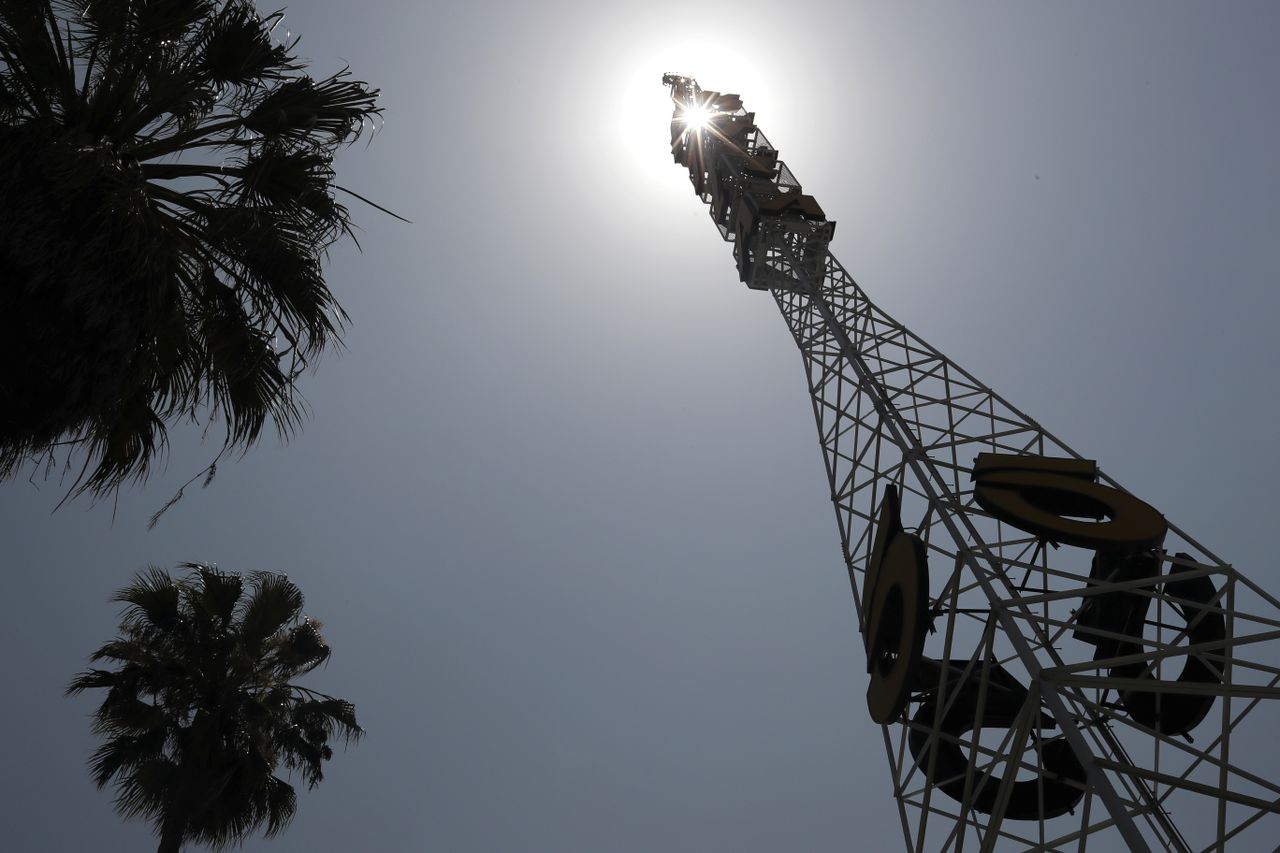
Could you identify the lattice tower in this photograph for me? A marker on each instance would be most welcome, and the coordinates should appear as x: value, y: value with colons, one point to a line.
x: 1053, y: 663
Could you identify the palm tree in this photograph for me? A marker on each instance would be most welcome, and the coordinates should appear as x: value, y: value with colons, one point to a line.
x: 202, y: 709
x: 167, y: 196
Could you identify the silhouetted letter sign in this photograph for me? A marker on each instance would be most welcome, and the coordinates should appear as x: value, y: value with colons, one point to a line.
x: 1058, y: 501
x: 1061, y: 780
x: 895, y: 593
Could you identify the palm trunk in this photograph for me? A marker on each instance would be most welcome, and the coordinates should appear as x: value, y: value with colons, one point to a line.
x: 170, y: 835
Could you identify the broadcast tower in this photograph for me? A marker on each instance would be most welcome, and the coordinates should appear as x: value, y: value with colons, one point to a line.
x: 1054, y: 665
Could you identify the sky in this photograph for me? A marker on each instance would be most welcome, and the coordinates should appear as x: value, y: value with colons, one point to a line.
x: 560, y: 505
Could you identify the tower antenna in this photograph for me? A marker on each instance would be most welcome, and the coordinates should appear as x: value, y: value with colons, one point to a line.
x: 1052, y: 661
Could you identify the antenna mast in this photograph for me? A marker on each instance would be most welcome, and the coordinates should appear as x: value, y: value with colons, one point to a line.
x: 1041, y: 645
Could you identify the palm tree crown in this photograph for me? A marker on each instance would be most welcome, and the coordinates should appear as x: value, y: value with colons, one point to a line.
x: 202, y: 708
x: 167, y: 196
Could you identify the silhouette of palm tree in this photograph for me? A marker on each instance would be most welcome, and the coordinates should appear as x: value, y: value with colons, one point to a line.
x: 167, y: 195
x: 203, y: 709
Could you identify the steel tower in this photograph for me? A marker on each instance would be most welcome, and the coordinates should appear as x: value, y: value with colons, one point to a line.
x: 1055, y: 666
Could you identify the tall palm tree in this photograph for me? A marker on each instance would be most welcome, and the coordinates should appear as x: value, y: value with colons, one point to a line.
x: 167, y: 195
x: 202, y: 709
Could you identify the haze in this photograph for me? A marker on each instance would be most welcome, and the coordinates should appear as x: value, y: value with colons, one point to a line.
x: 561, y: 507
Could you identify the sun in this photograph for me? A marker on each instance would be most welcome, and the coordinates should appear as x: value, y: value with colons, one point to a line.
x: 639, y: 134
x: 696, y: 118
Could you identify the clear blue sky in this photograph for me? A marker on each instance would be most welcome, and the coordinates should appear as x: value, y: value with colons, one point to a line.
x: 561, y: 506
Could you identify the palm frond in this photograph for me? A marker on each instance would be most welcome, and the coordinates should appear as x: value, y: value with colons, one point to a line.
x: 201, y: 711
x: 301, y: 108
x: 144, y: 791
x: 92, y: 679
x: 281, y: 805
x: 153, y: 598
x: 34, y: 56
x: 302, y: 648
x: 137, y: 646
x: 123, y: 753
x: 274, y: 602
x: 216, y: 593
x: 237, y: 50
x: 156, y: 21
x: 166, y: 168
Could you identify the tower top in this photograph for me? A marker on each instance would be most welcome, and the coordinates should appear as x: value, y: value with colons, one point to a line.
x: 779, y: 234
x: 679, y: 81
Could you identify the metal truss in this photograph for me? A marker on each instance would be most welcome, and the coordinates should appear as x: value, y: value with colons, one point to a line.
x: 1016, y: 640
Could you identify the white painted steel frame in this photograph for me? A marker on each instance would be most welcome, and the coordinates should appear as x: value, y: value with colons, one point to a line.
x: 892, y: 409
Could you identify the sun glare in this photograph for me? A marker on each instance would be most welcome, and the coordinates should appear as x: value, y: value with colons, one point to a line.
x: 640, y: 131
x: 696, y: 118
